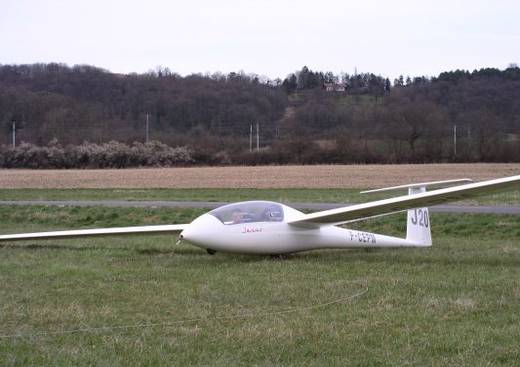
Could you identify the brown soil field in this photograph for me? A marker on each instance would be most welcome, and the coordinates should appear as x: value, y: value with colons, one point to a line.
x: 323, y: 176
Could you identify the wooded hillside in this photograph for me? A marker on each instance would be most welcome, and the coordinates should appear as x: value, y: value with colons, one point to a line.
x: 374, y: 120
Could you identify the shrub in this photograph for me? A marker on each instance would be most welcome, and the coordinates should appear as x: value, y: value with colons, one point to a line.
x: 91, y: 155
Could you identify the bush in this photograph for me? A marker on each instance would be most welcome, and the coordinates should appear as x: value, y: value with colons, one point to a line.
x: 90, y: 155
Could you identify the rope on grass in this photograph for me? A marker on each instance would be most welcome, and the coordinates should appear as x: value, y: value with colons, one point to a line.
x: 186, y: 321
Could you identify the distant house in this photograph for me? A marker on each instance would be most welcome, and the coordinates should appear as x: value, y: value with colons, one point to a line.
x: 335, y: 87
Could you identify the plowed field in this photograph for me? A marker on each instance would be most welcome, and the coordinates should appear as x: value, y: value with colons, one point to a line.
x: 324, y: 176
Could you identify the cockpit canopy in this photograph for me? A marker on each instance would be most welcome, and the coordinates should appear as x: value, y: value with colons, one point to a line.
x: 249, y: 212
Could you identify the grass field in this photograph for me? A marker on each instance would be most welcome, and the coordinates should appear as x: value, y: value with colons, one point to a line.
x: 229, y: 195
x: 457, y: 303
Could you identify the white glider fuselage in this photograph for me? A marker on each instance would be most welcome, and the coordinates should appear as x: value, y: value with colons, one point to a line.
x: 279, y: 237
x: 265, y: 227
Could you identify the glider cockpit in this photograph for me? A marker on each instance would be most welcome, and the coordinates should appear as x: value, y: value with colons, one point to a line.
x: 249, y: 212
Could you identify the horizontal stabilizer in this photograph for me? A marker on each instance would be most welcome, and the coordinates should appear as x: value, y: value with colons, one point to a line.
x: 168, y: 228
x: 418, y: 185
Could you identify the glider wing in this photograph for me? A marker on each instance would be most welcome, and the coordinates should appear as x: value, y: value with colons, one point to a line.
x: 169, y: 228
x: 401, y: 203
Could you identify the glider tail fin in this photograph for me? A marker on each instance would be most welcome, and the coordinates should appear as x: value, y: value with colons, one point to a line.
x: 418, y: 229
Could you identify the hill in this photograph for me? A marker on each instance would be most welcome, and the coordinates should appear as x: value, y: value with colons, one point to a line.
x: 374, y: 120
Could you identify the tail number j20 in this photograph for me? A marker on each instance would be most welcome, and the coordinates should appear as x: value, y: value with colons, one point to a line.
x: 420, y: 217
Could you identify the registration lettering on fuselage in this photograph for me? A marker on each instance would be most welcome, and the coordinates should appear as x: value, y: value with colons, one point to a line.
x: 364, y: 237
x: 251, y: 229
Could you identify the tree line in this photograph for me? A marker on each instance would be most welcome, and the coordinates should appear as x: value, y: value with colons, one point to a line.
x: 78, y: 103
x: 455, y: 116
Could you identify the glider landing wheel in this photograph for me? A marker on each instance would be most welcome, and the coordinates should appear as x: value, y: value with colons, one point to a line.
x: 280, y: 256
x: 210, y: 251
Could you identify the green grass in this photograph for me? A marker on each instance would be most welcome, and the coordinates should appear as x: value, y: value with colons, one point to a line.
x: 280, y: 195
x: 457, y: 303
x: 314, y: 195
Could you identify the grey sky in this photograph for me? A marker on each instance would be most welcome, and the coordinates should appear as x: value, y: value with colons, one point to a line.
x: 266, y: 37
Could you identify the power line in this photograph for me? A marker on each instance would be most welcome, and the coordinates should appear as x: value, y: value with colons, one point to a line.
x: 14, y: 134
x: 147, y: 127
x: 257, y: 136
x: 250, y: 137
x: 455, y: 140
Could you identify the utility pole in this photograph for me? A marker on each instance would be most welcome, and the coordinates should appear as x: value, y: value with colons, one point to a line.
x: 147, y: 127
x: 455, y: 140
x: 250, y: 137
x: 257, y: 136
x: 14, y: 134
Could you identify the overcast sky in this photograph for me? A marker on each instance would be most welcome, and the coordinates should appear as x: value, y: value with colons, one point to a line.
x: 268, y: 37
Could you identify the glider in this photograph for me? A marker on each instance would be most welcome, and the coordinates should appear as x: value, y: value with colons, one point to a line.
x: 265, y: 227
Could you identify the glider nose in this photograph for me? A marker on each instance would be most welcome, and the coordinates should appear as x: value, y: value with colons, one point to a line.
x: 193, y: 235
x: 185, y: 234
x: 201, y: 231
